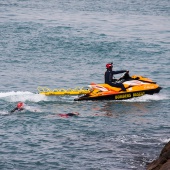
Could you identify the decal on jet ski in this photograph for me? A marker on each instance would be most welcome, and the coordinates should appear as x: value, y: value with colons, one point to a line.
x: 138, y: 94
x: 123, y: 96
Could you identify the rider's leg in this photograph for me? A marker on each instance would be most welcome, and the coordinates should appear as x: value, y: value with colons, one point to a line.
x: 119, y: 85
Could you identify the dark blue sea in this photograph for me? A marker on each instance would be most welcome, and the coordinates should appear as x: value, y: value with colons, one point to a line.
x: 66, y: 44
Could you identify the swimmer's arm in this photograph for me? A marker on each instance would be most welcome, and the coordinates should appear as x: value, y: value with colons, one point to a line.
x: 12, y: 111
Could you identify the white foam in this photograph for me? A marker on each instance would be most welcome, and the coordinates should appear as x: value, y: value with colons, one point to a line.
x: 22, y: 96
x: 4, y: 113
x: 32, y: 108
x: 148, y: 98
x: 12, y: 93
x: 165, y: 140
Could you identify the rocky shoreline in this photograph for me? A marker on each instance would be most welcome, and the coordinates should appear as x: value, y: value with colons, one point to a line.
x: 163, y: 161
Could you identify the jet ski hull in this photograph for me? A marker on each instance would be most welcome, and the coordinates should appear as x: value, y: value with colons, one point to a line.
x: 135, y: 85
x: 119, y: 96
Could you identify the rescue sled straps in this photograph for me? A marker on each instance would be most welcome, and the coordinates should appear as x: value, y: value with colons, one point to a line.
x: 70, y: 90
x: 43, y: 89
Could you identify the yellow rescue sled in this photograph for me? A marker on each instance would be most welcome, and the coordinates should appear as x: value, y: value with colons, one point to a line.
x: 56, y: 92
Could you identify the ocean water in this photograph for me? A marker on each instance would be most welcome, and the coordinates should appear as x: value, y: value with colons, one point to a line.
x: 66, y: 44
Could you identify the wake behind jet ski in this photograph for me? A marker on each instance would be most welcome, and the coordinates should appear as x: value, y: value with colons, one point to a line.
x: 135, y: 86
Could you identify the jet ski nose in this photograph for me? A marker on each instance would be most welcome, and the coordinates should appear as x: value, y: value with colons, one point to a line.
x: 158, y: 89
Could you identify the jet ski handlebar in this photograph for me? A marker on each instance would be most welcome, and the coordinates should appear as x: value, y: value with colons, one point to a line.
x: 124, y: 76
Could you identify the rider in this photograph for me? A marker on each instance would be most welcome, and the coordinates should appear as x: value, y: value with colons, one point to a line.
x: 109, y: 76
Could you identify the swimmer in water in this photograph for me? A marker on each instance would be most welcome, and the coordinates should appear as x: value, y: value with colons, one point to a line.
x: 19, y: 107
x: 66, y: 115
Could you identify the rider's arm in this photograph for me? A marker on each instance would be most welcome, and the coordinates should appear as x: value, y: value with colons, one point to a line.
x: 117, y: 72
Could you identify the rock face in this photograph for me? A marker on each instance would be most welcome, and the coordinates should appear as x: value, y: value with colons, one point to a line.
x: 163, y: 162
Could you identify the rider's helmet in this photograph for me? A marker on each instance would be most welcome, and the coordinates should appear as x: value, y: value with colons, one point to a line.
x: 109, y: 66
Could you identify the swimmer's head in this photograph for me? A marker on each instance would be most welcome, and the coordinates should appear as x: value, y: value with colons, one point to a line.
x: 20, y: 105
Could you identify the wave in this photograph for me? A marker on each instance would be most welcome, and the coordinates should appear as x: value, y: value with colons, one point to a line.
x: 32, y: 97
x: 4, y: 113
x: 164, y: 140
x: 149, y: 98
x: 22, y: 96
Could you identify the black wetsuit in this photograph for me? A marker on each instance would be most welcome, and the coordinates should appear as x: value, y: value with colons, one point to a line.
x: 109, y: 77
x: 71, y: 114
x: 67, y: 114
x: 16, y: 109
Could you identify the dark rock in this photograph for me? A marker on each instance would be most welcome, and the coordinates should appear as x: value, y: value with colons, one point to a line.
x: 163, y: 162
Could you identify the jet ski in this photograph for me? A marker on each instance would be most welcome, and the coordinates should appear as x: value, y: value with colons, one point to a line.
x: 136, y: 86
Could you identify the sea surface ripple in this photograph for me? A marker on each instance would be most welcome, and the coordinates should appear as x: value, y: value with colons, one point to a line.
x: 66, y: 44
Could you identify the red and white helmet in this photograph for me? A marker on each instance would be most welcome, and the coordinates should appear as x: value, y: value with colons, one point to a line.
x: 109, y: 65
